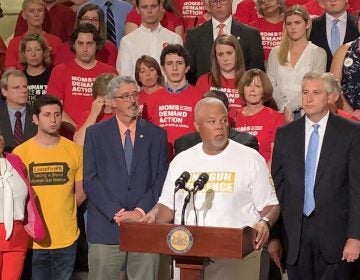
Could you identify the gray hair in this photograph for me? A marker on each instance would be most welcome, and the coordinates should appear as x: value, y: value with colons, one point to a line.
x: 115, y: 83
x: 331, y: 83
x: 5, y: 77
x: 206, y: 101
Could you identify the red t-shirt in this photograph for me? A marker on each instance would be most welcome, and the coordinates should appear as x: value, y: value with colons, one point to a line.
x: 170, y: 20
x: 263, y: 125
x: 228, y: 87
x: 143, y: 104
x: 100, y: 118
x: 314, y: 9
x: 290, y: 3
x: 13, y: 54
x: 354, y: 6
x: 246, y: 12
x: 73, y: 85
x: 59, y: 21
x: 270, y: 33
x: 174, y: 111
x: 107, y: 54
x: 192, y: 12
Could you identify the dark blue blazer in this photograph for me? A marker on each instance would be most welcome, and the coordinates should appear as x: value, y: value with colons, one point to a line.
x: 108, y: 185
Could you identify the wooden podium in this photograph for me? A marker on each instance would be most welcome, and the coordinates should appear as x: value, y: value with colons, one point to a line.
x: 191, y: 246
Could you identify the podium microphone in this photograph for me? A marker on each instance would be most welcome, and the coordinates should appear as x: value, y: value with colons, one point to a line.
x: 200, y: 182
x: 181, y: 181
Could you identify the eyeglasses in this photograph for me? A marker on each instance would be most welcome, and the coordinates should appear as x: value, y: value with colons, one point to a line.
x: 90, y: 20
x: 213, y: 3
x: 127, y: 97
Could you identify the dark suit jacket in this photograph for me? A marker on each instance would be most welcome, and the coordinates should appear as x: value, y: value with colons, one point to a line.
x: 108, y: 185
x: 337, y: 192
x: 318, y: 35
x: 189, y: 140
x: 30, y: 128
x: 199, y: 42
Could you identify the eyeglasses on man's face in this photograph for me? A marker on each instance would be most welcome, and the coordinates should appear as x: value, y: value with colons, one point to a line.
x: 214, y: 3
x: 128, y: 96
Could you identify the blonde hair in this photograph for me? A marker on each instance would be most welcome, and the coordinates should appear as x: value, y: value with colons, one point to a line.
x: 43, y: 44
x: 286, y: 41
x: 27, y: 2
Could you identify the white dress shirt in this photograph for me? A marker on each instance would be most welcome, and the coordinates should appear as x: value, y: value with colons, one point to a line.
x: 341, y: 25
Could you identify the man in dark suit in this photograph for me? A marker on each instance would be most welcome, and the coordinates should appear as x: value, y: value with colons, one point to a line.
x: 125, y: 164
x: 16, y: 113
x: 315, y: 171
x: 189, y: 140
x: 324, y: 26
x: 200, y: 40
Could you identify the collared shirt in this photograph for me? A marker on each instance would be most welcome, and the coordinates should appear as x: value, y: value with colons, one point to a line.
x: 143, y: 41
x: 341, y: 25
x: 13, y: 118
x: 123, y: 128
x: 227, y: 27
x: 309, y: 129
x: 177, y: 90
x: 120, y: 11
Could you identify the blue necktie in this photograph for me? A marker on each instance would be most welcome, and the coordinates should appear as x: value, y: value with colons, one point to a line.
x: 128, y: 150
x: 335, y: 36
x: 310, y: 171
x: 110, y: 23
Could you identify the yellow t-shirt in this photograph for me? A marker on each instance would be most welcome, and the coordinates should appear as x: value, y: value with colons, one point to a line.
x: 52, y: 172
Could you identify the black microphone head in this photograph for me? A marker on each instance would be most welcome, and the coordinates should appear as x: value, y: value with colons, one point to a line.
x: 184, y: 177
x: 201, y: 181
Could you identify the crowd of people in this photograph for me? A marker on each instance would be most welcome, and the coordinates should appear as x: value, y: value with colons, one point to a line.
x: 104, y: 103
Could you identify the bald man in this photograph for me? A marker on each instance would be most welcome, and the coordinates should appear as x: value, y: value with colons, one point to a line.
x: 238, y: 188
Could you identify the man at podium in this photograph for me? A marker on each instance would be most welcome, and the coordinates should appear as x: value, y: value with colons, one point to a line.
x: 238, y: 193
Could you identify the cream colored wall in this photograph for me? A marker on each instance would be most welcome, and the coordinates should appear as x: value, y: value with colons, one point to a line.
x: 11, y: 9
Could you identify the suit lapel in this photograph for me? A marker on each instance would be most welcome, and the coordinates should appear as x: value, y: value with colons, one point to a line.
x: 323, y: 31
x: 208, y: 36
x: 139, y: 145
x: 114, y: 137
x: 6, y: 127
x: 298, y: 146
x: 29, y: 127
x: 349, y: 32
x: 326, y: 148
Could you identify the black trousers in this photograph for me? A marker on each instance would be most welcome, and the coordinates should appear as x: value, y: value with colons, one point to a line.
x: 311, y: 265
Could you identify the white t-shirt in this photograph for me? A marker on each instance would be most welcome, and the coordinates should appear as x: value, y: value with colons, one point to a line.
x: 238, y: 188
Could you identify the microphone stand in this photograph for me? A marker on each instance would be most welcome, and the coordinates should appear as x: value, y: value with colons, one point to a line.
x: 186, y: 202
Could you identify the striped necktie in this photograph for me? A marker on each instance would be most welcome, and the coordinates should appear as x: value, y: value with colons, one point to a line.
x: 110, y: 23
x: 18, y: 129
x: 221, y: 29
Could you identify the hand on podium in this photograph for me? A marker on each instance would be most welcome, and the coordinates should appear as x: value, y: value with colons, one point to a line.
x: 262, y: 234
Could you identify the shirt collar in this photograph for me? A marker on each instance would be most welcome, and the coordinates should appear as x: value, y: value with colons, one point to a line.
x: 227, y: 22
x: 157, y: 29
x: 322, y: 123
x: 123, y: 128
x: 13, y: 111
x: 178, y: 90
x: 342, y: 18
